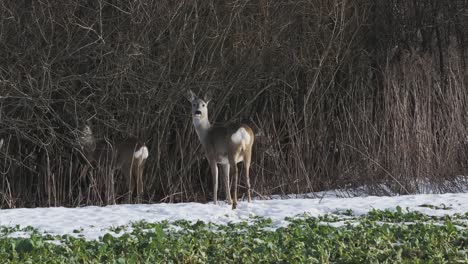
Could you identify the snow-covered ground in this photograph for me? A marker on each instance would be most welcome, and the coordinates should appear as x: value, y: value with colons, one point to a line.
x: 95, y: 221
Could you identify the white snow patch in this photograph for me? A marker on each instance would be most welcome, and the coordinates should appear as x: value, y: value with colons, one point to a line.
x: 95, y: 221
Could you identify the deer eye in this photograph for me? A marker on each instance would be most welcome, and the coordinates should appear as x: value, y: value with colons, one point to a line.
x: 203, y: 105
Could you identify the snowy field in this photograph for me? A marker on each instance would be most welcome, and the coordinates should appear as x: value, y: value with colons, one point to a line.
x: 92, y: 221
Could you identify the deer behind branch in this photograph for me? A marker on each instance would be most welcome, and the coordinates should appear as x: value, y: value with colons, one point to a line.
x: 128, y: 156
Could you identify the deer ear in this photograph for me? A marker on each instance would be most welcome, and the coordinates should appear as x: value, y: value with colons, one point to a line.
x: 190, y: 95
x: 207, y: 97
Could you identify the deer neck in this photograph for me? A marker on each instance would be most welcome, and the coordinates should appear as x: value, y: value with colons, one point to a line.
x: 202, y: 126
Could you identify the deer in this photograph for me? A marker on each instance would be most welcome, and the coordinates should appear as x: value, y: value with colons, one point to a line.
x: 128, y: 156
x: 223, y: 145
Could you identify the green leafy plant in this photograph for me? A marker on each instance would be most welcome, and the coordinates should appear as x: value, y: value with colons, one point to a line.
x: 398, y: 236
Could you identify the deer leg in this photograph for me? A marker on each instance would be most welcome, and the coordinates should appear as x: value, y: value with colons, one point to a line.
x: 110, y: 162
x: 108, y: 185
x: 128, y: 178
x: 247, y: 159
x: 214, y: 173
x: 139, y: 182
x: 227, y: 182
x: 236, y: 175
x: 111, y: 197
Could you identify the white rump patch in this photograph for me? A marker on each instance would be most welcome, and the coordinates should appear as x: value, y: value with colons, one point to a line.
x: 241, y: 136
x: 142, y: 153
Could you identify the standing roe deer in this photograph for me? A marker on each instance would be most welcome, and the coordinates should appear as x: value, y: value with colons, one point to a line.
x: 128, y: 156
x: 224, y: 145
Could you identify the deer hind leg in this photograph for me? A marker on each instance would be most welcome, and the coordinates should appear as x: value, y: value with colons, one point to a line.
x: 227, y: 182
x: 139, y: 181
x: 214, y: 173
x: 111, y: 187
x: 127, y: 175
x: 236, y: 176
x: 247, y: 159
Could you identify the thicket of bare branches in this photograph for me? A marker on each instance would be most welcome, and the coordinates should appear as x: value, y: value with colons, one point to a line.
x: 340, y: 93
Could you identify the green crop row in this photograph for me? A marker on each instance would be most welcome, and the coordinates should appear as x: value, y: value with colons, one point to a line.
x: 378, y: 237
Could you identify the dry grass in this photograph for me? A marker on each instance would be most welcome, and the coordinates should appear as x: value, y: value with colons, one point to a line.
x: 341, y: 93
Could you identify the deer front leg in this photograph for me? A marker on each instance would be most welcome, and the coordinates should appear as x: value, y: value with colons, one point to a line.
x: 227, y: 182
x: 111, y: 188
x: 128, y: 179
x: 214, y: 173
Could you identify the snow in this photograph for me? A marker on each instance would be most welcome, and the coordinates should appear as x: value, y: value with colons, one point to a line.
x: 93, y: 221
